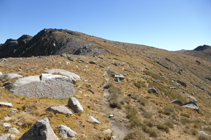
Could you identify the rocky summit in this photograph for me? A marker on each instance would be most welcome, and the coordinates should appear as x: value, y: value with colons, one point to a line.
x: 61, y: 84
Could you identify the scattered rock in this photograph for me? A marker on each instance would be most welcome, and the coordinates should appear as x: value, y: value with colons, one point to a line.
x: 0, y: 73
x: 181, y: 83
x: 203, y: 133
x: 173, y: 88
x: 108, y: 131
x: 93, y: 120
x: 79, y: 92
x: 101, y: 66
x: 191, y: 97
x: 7, y: 137
x: 75, y: 105
x: 12, y: 111
x: 120, y: 76
x: 86, y: 95
x: 92, y: 62
x: 46, y: 85
x: 67, y: 63
x: 91, y: 91
x: 19, y: 123
x: 191, y: 105
x: 60, y: 109
x: 14, y: 130
x: 152, y: 90
x: 66, y: 132
x: 5, y: 104
x: 6, y: 125
x: 177, y: 102
x: 7, y: 118
x: 111, y: 115
x: 115, y: 64
x: 69, y: 58
x: 41, y: 130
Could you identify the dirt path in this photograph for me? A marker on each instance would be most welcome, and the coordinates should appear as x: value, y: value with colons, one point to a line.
x: 120, y: 131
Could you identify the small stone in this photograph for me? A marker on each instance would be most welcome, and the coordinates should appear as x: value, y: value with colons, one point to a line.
x: 7, y: 118
x: 93, y: 120
x: 66, y: 131
x: 6, y: 125
x: 108, y: 131
x: 12, y: 111
x: 86, y: 95
x: 75, y: 105
x: 19, y: 123
x: 92, y: 62
x: 111, y: 115
x: 14, y: 130
x: 79, y: 92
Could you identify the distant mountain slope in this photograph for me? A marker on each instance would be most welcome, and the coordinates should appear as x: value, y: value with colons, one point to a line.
x: 49, y: 42
x: 202, y: 52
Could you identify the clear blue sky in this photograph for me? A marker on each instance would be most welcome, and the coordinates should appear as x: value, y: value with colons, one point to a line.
x: 166, y: 24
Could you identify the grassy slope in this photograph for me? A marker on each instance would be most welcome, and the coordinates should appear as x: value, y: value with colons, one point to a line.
x: 167, y: 120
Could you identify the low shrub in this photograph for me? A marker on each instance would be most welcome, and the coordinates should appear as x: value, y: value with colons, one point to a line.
x: 163, y: 127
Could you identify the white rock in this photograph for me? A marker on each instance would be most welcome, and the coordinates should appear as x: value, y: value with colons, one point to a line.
x: 6, y: 125
x: 7, y: 118
x: 5, y: 104
x: 5, y: 137
x: 93, y: 120
x: 60, y: 109
x: 66, y: 131
x: 12, y: 75
x: 14, y: 130
x: 0, y: 73
x: 41, y: 130
x: 73, y: 76
x: 75, y: 105
x: 108, y: 131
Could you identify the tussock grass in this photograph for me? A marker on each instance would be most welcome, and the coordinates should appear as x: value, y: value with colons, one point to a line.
x: 137, y: 134
x: 203, y: 137
x: 166, y: 110
x: 143, y: 101
x: 139, y: 84
x: 163, y: 127
x: 185, y: 115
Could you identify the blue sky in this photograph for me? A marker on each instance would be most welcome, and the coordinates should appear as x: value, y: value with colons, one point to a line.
x: 166, y: 24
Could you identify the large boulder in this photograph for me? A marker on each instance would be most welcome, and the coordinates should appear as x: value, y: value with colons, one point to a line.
x: 46, y: 85
x: 75, y: 105
x: 73, y: 76
x: 41, y: 130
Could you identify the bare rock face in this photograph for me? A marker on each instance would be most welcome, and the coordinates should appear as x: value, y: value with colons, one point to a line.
x: 41, y: 130
x: 46, y: 85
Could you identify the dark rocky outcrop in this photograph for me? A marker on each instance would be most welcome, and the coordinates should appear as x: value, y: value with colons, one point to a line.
x: 50, y: 42
x: 201, y: 48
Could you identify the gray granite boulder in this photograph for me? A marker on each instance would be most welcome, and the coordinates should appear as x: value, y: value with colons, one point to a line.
x: 60, y: 109
x: 46, y: 85
x: 41, y: 130
x: 10, y: 76
x: 75, y: 105
x: 66, y: 132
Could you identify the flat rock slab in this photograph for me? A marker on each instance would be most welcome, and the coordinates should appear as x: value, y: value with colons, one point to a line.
x: 73, y: 76
x: 5, y: 104
x: 60, y: 109
x: 46, y: 85
x: 41, y: 130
